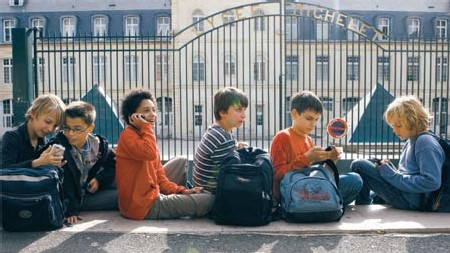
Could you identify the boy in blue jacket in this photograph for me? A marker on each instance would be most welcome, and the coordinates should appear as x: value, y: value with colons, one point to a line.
x: 419, y: 168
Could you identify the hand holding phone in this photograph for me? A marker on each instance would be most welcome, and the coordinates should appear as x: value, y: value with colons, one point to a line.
x: 58, y: 150
x: 329, y: 148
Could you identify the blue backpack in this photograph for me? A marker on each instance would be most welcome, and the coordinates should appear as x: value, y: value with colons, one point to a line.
x: 439, y: 200
x: 311, y: 194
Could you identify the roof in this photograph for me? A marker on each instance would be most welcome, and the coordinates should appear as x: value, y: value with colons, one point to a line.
x: 369, y: 127
x: 107, y: 122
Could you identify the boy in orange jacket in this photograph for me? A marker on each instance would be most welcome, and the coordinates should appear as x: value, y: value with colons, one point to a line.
x: 144, y: 190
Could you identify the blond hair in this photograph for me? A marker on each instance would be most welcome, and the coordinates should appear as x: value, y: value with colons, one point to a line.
x: 411, y: 113
x: 45, y: 104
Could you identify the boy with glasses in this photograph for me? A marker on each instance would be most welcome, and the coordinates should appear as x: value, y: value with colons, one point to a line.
x: 90, y: 168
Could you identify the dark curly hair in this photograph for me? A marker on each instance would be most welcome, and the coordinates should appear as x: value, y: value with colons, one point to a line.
x: 131, y: 102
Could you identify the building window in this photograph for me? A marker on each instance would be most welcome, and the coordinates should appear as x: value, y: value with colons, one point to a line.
x: 132, y: 26
x: 287, y: 111
x: 163, y: 26
x: 131, y: 67
x: 230, y: 65
x: 413, y: 68
x: 440, y: 114
x: 162, y: 67
x: 291, y: 67
x: 196, y: 17
x: 100, y: 26
x: 8, y: 25
x: 7, y: 113
x: 198, y: 68
x: 164, y: 104
x: 291, y: 28
x: 414, y: 28
x: 349, y: 102
x: 68, y: 69
x: 383, y: 26
x: 38, y: 23
x: 16, y: 2
x: 41, y: 69
x: 441, y: 29
x: 322, y: 67
x: 353, y: 27
x: 198, y: 115
x: 442, y: 69
x: 327, y: 103
x: 260, y: 24
x: 259, y: 115
x: 383, y: 70
x: 99, y: 69
x: 353, y: 68
x: 228, y: 17
x: 68, y: 27
x: 7, y: 70
x: 322, y: 30
x: 259, y: 69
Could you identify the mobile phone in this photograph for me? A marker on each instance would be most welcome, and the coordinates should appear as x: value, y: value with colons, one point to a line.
x: 329, y: 148
x: 58, y: 149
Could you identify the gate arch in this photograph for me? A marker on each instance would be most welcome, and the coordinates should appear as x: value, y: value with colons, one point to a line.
x: 270, y: 50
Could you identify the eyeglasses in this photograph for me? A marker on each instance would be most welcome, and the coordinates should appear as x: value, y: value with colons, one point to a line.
x: 76, y: 130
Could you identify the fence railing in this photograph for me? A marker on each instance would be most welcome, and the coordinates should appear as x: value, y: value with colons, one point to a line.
x: 270, y: 57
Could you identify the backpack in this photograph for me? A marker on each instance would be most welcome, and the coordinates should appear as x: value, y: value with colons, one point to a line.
x: 439, y: 200
x: 31, y: 198
x: 311, y: 194
x: 244, y: 189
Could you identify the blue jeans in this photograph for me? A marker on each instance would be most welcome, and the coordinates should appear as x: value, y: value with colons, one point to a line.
x: 374, y: 182
x: 349, y: 186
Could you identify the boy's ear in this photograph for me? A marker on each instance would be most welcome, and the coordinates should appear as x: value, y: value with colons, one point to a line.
x: 223, y: 112
x: 91, y: 127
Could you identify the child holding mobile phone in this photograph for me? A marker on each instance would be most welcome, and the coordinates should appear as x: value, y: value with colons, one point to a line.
x: 145, y: 190
x: 22, y: 146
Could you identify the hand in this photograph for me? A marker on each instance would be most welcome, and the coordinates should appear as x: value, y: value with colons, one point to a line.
x: 48, y: 157
x: 335, y: 154
x: 137, y: 120
x: 93, y: 186
x: 193, y: 190
x: 241, y: 144
x: 73, y: 219
x: 317, y: 154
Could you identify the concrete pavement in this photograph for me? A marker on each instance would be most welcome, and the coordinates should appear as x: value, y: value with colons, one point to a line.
x: 357, y: 220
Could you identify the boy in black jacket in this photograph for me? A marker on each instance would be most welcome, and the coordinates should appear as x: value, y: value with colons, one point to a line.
x: 90, y: 168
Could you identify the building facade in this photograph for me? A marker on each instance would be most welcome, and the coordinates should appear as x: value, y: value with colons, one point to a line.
x: 184, y: 51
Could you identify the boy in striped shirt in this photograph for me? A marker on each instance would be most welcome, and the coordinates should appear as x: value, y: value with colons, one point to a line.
x: 230, y: 105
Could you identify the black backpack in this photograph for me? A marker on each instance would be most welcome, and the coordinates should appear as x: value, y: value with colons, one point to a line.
x: 244, y: 189
x: 439, y: 200
x: 32, y: 198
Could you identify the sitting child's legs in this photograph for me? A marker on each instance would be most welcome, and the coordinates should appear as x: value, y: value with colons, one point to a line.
x: 175, y: 170
x: 350, y: 185
x: 105, y: 199
x: 180, y: 205
x: 373, y: 180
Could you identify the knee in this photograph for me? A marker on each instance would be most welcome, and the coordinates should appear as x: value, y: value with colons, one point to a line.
x: 359, y: 165
x: 357, y: 182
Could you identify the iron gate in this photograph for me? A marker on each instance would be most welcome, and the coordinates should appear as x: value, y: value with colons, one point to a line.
x: 270, y: 50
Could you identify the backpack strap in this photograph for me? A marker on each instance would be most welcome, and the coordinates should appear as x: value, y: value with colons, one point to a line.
x: 332, y: 166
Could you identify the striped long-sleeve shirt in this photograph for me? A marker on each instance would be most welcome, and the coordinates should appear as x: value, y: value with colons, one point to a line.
x: 215, y: 144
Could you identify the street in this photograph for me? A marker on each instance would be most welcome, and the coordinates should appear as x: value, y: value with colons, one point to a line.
x: 192, y: 243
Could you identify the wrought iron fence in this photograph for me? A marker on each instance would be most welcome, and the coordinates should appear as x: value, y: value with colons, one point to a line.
x: 268, y: 51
